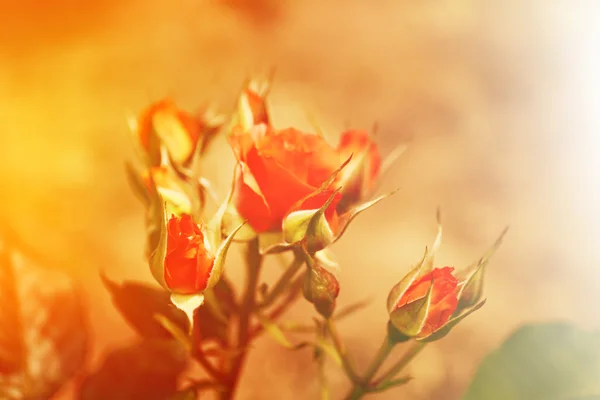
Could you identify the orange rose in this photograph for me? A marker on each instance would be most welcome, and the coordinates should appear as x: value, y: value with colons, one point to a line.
x: 188, y: 263
x: 278, y: 168
x: 359, y: 177
x: 443, y: 301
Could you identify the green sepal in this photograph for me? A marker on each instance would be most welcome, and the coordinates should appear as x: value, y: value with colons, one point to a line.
x: 349, y: 215
x: 410, y: 318
x: 394, y: 335
x: 219, y: 264
x: 157, y: 240
x: 447, y: 327
x: 309, y: 226
x: 471, y: 291
x: 425, y: 266
x: 401, y: 287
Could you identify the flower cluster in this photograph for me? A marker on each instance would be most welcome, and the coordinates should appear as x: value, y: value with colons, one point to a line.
x: 288, y: 184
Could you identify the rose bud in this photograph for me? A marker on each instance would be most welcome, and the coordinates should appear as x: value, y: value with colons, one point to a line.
x: 471, y: 286
x: 188, y: 261
x: 277, y: 169
x: 314, y: 222
x: 186, y: 258
x: 163, y: 124
x: 321, y: 288
x: 426, y: 304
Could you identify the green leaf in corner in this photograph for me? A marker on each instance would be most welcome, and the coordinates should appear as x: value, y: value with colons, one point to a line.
x: 552, y: 361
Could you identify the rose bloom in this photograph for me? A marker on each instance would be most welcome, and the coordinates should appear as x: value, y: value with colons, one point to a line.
x: 359, y: 177
x: 278, y: 169
x: 178, y: 130
x: 443, y: 298
x: 188, y: 263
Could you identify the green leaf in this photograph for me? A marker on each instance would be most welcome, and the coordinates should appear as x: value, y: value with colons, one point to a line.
x: 553, y: 361
x: 351, y: 309
x: 176, y: 332
x: 43, y: 328
x: 138, y: 303
x: 275, y: 332
x: 146, y: 370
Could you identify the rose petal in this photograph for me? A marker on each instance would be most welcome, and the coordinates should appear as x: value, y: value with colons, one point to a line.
x: 366, y: 171
x: 279, y: 187
x: 250, y: 202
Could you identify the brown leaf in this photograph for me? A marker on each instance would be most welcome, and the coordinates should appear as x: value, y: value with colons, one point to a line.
x: 43, y: 330
x: 146, y: 370
x: 138, y: 303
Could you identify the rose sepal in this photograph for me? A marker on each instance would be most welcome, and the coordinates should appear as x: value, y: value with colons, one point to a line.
x: 422, y: 268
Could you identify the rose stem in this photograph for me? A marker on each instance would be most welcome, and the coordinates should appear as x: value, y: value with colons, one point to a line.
x: 253, y: 263
x: 282, y: 282
x: 414, y: 350
x: 361, y: 387
x: 339, y: 346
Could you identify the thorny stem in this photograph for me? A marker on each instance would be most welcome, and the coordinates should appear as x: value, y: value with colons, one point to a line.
x: 253, y: 263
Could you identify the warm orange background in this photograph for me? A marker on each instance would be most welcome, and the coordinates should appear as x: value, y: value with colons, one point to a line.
x: 497, y: 98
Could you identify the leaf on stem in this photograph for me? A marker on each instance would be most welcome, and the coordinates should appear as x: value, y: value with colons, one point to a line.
x: 275, y: 332
x: 351, y: 309
x: 138, y: 304
x: 393, y: 383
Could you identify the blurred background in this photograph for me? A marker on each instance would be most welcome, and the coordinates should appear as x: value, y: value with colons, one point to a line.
x: 498, y: 101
